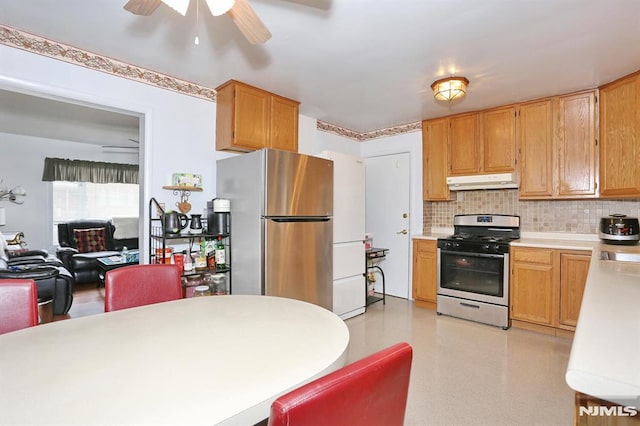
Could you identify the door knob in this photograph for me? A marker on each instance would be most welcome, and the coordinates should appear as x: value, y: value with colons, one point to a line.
x: 403, y: 232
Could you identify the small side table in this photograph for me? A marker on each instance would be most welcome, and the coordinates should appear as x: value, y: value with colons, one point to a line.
x: 372, y: 257
x: 112, y: 262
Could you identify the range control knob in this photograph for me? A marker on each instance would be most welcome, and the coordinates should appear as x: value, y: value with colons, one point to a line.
x: 456, y: 245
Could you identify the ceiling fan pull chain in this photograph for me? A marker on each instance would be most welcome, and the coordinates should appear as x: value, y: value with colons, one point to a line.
x: 196, y: 41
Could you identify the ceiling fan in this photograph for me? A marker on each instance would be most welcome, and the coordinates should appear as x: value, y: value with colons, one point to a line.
x: 122, y: 149
x: 240, y: 12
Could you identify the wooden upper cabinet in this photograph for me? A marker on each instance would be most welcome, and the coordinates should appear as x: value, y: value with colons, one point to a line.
x: 284, y: 124
x: 251, y: 118
x: 483, y: 143
x: 576, y: 144
x: 435, y: 160
x: 557, y: 151
x: 464, y: 146
x: 498, y: 140
x: 536, y: 149
x: 248, y: 118
x: 620, y: 138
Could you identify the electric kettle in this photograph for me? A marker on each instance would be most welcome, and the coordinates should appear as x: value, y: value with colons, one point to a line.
x: 174, y: 222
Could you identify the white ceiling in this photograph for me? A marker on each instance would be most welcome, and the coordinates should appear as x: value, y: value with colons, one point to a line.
x: 362, y: 64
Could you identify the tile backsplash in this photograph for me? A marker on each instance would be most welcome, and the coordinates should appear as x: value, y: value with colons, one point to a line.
x: 570, y: 216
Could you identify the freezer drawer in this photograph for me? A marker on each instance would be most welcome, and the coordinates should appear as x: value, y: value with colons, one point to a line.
x: 349, y: 295
x: 299, y: 260
x: 348, y: 259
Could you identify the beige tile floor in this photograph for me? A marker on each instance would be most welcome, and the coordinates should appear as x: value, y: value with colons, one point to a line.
x: 465, y: 373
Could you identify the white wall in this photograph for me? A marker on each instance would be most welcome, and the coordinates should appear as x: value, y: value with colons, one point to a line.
x: 312, y: 142
x: 178, y: 131
x: 22, y: 163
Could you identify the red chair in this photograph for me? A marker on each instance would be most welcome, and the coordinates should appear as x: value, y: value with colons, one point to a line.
x: 371, y: 391
x: 18, y: 305
x: 139, y: 285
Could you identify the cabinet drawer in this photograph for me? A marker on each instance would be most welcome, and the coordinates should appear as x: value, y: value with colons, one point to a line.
x: 349, y: 294
x: 543, y: 256
x: 348, y: 259
x: 426, y: 246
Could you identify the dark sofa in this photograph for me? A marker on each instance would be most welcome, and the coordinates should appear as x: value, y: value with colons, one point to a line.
x: 82, y: 261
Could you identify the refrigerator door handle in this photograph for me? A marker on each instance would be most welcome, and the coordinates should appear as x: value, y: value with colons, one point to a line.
x: 299, y: 219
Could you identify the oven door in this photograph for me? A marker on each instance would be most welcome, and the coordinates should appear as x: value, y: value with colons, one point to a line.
x: 474, y: 276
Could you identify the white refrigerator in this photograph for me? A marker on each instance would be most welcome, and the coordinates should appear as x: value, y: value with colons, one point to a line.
x: 349, y: 288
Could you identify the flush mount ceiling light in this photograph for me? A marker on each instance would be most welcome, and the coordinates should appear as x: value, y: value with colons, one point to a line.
x: 450, y: 88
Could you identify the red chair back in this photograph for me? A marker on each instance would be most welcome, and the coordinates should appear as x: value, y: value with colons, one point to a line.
x: 139, y: 285
x: 371, y: 391
x: 18, y: 304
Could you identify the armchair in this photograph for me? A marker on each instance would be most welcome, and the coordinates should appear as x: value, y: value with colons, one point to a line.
x: 53, y: 280
x: 82, y: 242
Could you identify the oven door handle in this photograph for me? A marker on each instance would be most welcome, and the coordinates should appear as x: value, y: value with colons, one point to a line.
x: 472, y: 254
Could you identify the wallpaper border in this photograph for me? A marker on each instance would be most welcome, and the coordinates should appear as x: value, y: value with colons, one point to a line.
x: 32, y: 43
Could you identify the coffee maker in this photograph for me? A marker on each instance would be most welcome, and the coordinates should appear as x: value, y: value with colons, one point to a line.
x: 218, y: 212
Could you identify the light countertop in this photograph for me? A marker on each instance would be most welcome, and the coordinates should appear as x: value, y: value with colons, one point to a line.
x: 605, y: 355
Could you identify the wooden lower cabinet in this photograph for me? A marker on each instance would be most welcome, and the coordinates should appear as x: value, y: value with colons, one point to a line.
x: 532, y: 286
x: 574, y: 268
x: 425, y: 264
x: 546, y: 288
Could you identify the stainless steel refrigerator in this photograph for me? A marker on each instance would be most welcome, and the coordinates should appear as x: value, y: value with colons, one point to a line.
x: 281, y: 224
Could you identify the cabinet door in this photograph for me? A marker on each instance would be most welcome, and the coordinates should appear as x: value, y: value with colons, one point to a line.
x: 251, y: 117
x: 284, y: 124
x: 499, y: 140
x: 463, y: 145
x: 532, y: 286
x: 435, y: 163
x: 576, y: 145
x: 425, y: 270
x: 536, y: 149
x: 620, y: 137
x: 574, y: 268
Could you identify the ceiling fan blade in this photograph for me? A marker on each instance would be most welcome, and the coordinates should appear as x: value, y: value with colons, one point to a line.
x: 142, y: 7
x: 248, y: 22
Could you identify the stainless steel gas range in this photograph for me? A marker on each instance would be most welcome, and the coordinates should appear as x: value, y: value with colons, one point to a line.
x: 473, y: 268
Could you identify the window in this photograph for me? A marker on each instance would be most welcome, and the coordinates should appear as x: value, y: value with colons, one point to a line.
x: 85, y: 200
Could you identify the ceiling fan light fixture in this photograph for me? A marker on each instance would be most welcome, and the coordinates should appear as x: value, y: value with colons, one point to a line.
x: 450, y: 88
x: 179, y: 6
x: 220, y: 7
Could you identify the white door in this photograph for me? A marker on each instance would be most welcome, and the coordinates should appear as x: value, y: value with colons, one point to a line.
x: 388, y: 180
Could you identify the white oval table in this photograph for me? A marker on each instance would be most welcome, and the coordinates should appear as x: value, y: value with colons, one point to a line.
x: 205, y: 360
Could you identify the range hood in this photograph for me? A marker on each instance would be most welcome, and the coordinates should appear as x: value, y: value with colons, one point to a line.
x: 495, y: 181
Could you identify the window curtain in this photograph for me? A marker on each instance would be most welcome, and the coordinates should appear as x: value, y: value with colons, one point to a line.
x: 58, y: 169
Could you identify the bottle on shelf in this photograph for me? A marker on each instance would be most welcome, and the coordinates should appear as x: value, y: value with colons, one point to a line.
x: 220, y: 254
x: 124, y: 255
x: 188, y: 261
x: 201, y: 257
